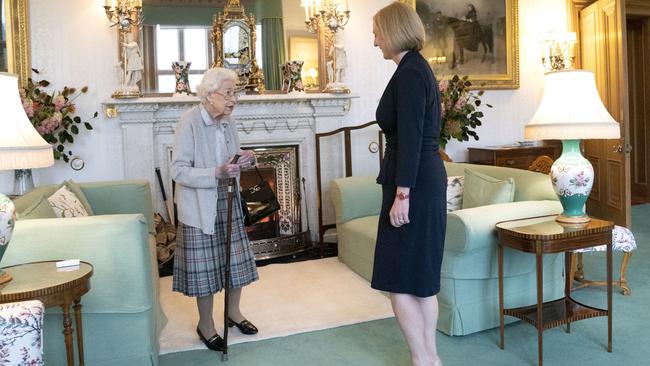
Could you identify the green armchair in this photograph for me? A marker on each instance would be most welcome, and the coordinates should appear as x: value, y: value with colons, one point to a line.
x: 468, y: 299
x: 122, y: 316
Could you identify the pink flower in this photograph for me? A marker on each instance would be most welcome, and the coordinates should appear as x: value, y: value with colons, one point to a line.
x: 28, y: 106
x: 59, y: 102
x: 462, y: 100
x: 443, y: 85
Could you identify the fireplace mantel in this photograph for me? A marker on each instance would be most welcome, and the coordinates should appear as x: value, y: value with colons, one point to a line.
x: 148, y: 126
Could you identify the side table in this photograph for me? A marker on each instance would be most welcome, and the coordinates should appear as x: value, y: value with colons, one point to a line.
x: 54, y: 287
x: 544, y: 235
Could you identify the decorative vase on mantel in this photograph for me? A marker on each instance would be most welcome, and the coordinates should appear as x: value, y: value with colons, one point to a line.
x: 182, y: 75
x: 7, y: 222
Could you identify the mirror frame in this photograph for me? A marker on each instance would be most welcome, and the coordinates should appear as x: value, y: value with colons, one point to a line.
x: 251, y: 76
x: 17, y: 22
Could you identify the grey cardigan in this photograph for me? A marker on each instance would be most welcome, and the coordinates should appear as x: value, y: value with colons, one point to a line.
x: 194, y: 166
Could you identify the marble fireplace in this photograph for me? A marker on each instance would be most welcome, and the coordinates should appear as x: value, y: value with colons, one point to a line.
x: 266, y: 122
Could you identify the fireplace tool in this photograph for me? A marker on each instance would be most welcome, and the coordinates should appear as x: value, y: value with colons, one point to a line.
x: 231, y: 190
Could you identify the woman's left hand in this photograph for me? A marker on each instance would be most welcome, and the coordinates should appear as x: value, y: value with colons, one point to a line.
x: 399, y: 213
x: 246, y: 159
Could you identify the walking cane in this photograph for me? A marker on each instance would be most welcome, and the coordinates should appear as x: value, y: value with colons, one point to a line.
x: 231, y: 189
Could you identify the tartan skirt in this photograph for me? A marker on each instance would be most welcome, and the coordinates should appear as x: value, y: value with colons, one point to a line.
x: 200, y: 259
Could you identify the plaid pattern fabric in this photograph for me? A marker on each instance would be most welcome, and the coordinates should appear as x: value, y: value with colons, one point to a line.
x: 200, y: 259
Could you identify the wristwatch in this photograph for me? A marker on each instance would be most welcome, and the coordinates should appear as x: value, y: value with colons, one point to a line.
x: 402, y: 196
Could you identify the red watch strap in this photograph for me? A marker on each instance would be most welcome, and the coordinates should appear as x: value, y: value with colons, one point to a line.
x: 401, y: 196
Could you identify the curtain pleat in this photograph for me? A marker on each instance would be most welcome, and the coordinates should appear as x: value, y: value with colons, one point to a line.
x: 273, y: 52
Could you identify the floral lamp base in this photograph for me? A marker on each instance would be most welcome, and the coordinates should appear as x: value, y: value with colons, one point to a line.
x: 7, y: 222
x: 572, y: 176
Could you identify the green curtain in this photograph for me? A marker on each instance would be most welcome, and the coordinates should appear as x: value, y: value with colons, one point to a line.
x: 273, y: 52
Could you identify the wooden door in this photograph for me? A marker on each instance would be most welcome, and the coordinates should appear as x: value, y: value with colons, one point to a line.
x: 603, y: 51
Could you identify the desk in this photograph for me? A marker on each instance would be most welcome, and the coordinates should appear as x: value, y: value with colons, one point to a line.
x: 544, y: 235
x: 42, y: 281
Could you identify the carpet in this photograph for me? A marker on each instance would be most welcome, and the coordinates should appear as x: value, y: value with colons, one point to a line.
x: 288, y: 299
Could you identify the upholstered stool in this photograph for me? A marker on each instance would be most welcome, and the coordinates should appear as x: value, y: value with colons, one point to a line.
x: 21, y: 332
x: 622, y: 241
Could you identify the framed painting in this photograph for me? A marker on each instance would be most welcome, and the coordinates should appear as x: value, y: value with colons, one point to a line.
x: 478, y: 38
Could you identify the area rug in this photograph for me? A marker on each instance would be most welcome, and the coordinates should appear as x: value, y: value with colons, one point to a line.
x: 288, y: 299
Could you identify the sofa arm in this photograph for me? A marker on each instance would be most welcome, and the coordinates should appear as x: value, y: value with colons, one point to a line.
x: 355, y: 197
x: 474, y: 228
x: 121, y: 197
x: 117, y: 246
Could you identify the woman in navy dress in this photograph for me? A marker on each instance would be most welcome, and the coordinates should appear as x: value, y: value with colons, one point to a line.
x: 411, y: 230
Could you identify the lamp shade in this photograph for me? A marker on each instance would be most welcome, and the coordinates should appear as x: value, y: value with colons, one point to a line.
x: 21, y: 147
x: 571, y: 109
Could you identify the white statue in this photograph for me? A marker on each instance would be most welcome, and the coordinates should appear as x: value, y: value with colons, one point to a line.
x: 134, y: 65
x: 336, y: 64
x: 341, y: 61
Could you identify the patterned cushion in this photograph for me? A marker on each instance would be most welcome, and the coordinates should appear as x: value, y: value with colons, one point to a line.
x: 455, y: 192
x: 66, y: 204
x: 21, y: 332
x: 622, y: 241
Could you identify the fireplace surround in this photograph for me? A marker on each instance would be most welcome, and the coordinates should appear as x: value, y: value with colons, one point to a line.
x: 264, y: 122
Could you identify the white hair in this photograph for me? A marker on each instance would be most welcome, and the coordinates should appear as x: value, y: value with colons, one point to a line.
x: 213, y: 79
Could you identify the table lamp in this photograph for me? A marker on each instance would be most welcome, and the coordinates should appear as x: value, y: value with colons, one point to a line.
x: 21, y: 147
x: 571, y: 110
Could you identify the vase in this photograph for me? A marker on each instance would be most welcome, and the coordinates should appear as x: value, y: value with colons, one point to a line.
x: 7, y: 222
x: 291, y: 76
x: 182, y: 74
x: 572, y: 177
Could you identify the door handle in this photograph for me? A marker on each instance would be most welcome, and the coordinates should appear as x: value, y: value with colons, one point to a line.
x: 628, y: 148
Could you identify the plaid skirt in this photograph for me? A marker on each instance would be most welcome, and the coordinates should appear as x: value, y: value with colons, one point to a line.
x: 200, y: 259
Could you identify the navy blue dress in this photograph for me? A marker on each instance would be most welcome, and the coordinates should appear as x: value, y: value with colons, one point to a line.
x: 408, y: 258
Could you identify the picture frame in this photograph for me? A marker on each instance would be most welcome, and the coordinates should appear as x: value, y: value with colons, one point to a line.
x: 477, y: 38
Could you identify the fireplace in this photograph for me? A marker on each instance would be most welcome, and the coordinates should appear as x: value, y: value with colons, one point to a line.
x: 272, y: 121
x: 279, y: 234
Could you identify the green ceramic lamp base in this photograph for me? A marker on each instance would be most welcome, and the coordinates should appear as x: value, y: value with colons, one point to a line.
x: 572, y: 176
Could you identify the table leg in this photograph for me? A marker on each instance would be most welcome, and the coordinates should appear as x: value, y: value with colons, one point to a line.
x: 501, y: 317
x: 67, y: 333
x: 567, y: 288
x: 540, y: 300
x: 609, y: 297
x: 80, y: 337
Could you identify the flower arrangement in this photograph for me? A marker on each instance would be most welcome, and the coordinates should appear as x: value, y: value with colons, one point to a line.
x: 52, y: 115
x: 460, y: 114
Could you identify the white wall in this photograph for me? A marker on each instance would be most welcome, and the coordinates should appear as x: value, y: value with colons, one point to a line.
x: 73, y: 45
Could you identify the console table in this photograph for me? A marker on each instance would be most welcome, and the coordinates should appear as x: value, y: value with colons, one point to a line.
x: 53, y: 287
x: 513, y: 156
x: 542, y: 235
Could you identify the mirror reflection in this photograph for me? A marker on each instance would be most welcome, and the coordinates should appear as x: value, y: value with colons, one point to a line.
x: 3, y: 39
x: 179, y: 30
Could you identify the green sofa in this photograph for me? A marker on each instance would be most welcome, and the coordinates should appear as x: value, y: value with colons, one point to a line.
x: 122, y: 317
x: 468, y: 298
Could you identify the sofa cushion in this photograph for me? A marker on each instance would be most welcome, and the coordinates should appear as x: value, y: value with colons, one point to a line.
x: 482, y: 190
x: 455, y: 192
x: 40, y: 209
x: 364, y: 191
x: 66, y: 203
x: 76, y: 189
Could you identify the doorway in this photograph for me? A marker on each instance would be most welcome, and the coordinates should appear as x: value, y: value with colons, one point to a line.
x: 638, y: 51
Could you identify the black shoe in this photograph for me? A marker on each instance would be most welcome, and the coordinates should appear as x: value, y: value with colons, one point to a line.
x: 245, y: 326
x: 215, y: 343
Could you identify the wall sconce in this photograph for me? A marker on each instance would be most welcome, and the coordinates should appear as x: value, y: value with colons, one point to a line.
x: 557, y: 50
x: 126, y: 14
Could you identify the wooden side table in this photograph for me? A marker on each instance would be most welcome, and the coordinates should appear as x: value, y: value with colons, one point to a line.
x: 42, y: 281
x: 511, y: 156
x: 544, y: 235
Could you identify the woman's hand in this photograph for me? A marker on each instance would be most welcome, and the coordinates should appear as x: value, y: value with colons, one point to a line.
x: 227, y: 171
x: 247, y: 158
x: 399, y: 213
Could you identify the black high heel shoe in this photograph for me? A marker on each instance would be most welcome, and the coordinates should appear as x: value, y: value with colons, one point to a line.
x: 215, y: 342
x: 245, y: 326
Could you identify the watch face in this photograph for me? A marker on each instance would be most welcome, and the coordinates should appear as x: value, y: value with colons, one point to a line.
x: 77, y: 163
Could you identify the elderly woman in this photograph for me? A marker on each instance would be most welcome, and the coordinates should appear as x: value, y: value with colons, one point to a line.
x: 204, y: 146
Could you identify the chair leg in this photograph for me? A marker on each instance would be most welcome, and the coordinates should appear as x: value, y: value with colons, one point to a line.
x: 579, y: 274
x: 623, y: 282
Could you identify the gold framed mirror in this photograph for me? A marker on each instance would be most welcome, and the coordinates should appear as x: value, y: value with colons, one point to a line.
x: 14, y: 48
x: 233, y: 33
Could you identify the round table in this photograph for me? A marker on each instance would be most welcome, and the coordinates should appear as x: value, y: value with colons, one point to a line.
x: 53, y: 287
